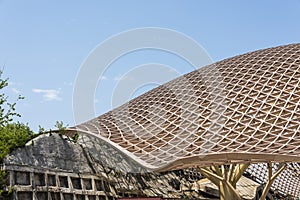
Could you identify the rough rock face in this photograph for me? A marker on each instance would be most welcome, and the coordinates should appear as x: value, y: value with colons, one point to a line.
x: 53, y: 166
x: 51, y: 152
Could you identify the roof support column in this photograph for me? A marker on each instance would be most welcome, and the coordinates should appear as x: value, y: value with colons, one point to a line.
x: 272, y: 178
x: 225, y: 177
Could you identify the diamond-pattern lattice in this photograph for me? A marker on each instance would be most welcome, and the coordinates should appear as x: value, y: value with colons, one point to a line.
x: 288, y: 182
x: 242, y: 109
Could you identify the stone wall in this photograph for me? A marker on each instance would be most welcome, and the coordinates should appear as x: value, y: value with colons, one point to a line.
x: 53, y: 167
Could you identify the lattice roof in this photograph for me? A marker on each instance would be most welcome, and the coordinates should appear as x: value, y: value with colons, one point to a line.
x: 242, y: 109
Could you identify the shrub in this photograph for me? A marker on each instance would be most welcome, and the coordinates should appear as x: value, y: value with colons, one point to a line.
x: 12, y: 136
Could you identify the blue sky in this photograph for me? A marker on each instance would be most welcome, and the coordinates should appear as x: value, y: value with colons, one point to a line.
x: 44, y: 43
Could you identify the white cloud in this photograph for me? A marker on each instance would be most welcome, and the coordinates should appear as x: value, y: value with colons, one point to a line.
x: 49, y: 95
x: 15, y: 91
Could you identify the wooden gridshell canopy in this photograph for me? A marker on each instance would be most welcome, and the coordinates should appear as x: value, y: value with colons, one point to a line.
x: 244, y: 109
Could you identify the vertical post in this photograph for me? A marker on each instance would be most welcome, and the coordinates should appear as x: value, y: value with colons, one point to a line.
x: 225, y: 177
x: 226, y: 193
x: 272, y: 178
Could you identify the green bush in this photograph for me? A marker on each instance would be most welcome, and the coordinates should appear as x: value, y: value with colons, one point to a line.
x: 12, y: 136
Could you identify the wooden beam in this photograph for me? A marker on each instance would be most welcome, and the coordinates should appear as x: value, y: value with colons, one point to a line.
x: 240, y: 169
x: 231, y: 172
x: 217, y: 170
x: 221, y: 177
x: 272, y: 178
x: 234, y: 191
x: 215, y: 179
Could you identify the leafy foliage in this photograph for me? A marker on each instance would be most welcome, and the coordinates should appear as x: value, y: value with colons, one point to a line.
x: 12, y: 136
x: 75, y: 137
x: 7, y: 109
x: 5, y: 194
x: 41, y: 130
x: 60, y: 125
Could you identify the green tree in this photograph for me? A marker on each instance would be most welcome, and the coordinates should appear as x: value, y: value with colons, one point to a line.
x: 7, y: 109
x: 12, y: 134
